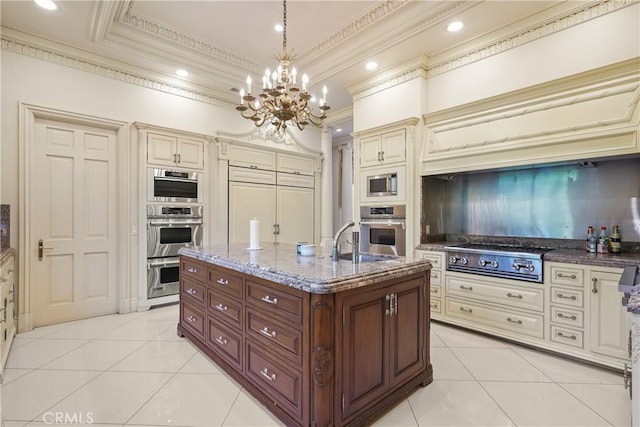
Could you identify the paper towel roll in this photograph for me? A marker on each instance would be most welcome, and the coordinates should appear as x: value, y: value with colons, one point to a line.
x: 254, y: 234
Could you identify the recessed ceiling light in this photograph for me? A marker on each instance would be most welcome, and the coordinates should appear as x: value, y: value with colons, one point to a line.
x: 182, y: 73
x: 371, y: 65
x: 46, y: 4
x: 279, y: 28
x: 455, y: 26
x: 339, y: 130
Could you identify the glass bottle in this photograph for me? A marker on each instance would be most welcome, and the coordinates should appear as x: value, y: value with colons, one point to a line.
x: 616, y: 243
x: 591, y: 241
x: 589, y: 235
x: 603, y: 241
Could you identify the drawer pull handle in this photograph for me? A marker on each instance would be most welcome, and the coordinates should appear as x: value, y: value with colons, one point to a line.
x: 222, y: 307
x: 466, y: 310
x: 191, y: 319
x: 571, y: 337
x: 564, y: 316
x: 265, y: 331
x: 265, y: 373
x: 434, y: 305
x: 192, y: 270
x: 519, y: 322
x: 566, y: 276
x: 594, y: 289
x: 191, y: 291
x: 466, y: 288
x: 510, y: 295
x: 572, y: 297
x: 435, y: 291
x: 222, y: 340
x: 222, y: 281
x: 269, y: 300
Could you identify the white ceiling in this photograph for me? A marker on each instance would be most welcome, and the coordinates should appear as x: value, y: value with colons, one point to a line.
x: 220, y: 42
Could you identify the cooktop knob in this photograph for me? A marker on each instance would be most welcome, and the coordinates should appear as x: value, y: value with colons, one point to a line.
x: 494, y: 264
x: 453, y: 260
x: 483, y: 263
x: 465, y: 261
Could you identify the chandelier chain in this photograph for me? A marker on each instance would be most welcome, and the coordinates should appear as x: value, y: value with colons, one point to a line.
x: 284, y: 25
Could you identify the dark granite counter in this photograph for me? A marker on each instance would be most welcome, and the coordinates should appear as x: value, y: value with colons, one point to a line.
x: 315, y: 274
x: 5, y: 254
x: 633, y: 306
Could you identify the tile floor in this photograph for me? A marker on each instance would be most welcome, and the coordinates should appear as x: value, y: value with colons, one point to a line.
x: 132, y: 370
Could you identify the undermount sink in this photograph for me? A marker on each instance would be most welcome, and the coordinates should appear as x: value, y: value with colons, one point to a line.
x: 366, y: 257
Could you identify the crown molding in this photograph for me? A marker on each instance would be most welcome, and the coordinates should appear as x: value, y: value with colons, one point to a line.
x: 395, y: 76
x: 62, y: 55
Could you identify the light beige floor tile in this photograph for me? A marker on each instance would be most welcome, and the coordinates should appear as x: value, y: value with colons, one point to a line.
x: 248, y: 412
x: 13, y: 374
x: 400, y: 416
x: 563, y: 370
x: 167, y: 312
x: 542, y: 404
x: 200, y: 364
x: 41, y: 351
x: 446, y: 365
x: 94, y: 327
x: 113, y: 397
x: 498, y: 364
x: 71, y: 422
x: 32, y: 394
x: 96, y: 355
x: 142, y: 328
x: 611, y: 402
x: 456, y: 403
x: 156, y: 356
x: 456, y: 337
x: 20, y: 340
x: 14, y: 423
x: 43, y: 331
x: 168, y: 334
x: 190, y: 400
x: 435, y: 340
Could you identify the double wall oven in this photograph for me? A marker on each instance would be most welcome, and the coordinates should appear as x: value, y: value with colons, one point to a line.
x: 174, y: 223
x: 383, y: 230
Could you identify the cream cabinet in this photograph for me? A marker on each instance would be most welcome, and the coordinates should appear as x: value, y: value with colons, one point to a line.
x: 566, y: 304
x: 436, y: 280
x: 250, y: 157
x: 284, y: 204
x: 8, y: 289
x: 171, y: 150
x: 610, y: 322
x: 383, y: 149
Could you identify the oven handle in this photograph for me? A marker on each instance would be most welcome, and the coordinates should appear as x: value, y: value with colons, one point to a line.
x: 402, y: 223
x: 162, y: 178
x: 186, y: 222
x: 151, y: 265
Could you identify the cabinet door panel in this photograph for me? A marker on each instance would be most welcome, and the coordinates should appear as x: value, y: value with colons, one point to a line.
x: 407, y: 357
x: 161, y: 149
x: 295, y: 214
x: 610, y: 322
x: 246, y: 202
x: 191, y: 153
x: 365, y: 344
x: 370, y: 151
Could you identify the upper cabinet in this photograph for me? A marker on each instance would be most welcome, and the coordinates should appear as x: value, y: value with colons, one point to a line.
x: 250, y: 157
x: 383, y: 149
x: 172, y: 150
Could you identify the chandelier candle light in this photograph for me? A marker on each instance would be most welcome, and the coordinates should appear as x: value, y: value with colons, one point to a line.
x: 282, y: 100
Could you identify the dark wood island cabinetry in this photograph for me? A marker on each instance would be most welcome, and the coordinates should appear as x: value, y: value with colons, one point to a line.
x: 318, y: 343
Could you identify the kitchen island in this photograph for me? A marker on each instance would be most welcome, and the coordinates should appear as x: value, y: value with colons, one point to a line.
x: 318, y: 342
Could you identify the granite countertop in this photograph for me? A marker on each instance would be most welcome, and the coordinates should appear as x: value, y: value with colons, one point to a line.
x: 569, y: 256
x: 314, y: 274
x: 633, y: 305
x: 5, y: 254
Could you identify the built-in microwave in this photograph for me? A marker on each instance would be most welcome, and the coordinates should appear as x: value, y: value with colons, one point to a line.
x: 164, y: 185
x: 382, y: 185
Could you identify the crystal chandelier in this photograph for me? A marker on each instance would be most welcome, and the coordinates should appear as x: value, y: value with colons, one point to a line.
x: 282, y: 101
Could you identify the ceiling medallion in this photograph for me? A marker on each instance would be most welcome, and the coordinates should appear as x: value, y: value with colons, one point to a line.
x: 282, y: 102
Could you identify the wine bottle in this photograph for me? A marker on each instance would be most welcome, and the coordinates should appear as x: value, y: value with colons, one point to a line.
x: 603, y: 241
x: 589, y: 235
x: 591, y: 241
x: 616, y: 244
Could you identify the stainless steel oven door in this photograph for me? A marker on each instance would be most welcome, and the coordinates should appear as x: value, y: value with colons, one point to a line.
x: 165, y: 185
x: 166, y: 236
x: 163, y: 277
x: 383, y: 237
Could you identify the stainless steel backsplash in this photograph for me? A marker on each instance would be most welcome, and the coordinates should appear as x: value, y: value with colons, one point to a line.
x: 543, y: 202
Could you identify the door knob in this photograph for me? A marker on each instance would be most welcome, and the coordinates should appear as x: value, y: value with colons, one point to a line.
x: 41, y: 249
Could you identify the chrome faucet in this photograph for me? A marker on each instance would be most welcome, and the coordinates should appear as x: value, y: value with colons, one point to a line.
x: 335, y: 254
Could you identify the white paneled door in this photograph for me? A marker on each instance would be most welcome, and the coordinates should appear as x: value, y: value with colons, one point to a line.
x: 72, y: 220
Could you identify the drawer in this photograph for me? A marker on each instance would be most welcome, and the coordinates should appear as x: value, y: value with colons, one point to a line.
x: 436, y: 277
x: 193, y: 291
x: 567, y: 336
x: 287, y: 307
x: 571, y: 297
x: 527, y: 324
x: 192, y: 319
x: 193, y: 269
x: 226, y: 309
x: 295, y: 164
x: 271, y: 332
x: 436, y: 291
x: 435, y: 259
x: 567, y: 316
x: 257, y: 176
x: 226, y: 343
x: 521, y: 297
x: 561, y: 274
x: 292, y: 180
x: 226, y: 281
x: 435, y: 306
x: 283, y: 383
